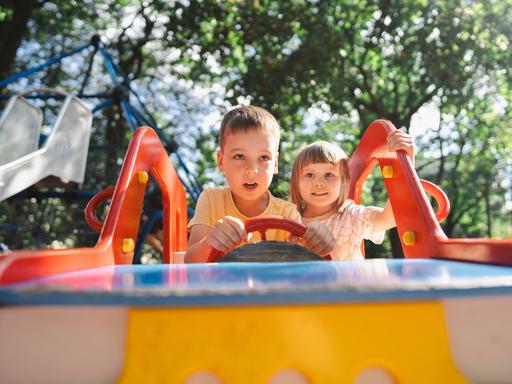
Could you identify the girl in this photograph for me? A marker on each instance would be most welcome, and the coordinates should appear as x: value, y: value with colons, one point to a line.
x: 319, y: 187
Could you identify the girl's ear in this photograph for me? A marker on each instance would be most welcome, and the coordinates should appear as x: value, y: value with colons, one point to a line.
x: 220, y: 158
x: 276, y: 164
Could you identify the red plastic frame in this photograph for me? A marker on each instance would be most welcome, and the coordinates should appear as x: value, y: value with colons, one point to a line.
x: 411, y: 208
x: 262, y: 224
x: 145, y: 154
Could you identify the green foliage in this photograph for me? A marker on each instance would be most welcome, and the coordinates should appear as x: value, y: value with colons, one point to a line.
x: 347, y: 61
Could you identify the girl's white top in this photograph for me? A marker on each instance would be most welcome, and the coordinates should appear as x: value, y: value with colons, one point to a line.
x: 350, y: 225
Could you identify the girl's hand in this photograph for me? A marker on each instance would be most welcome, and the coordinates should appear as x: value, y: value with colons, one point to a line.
x: 398, y: 139
x: 226, y: 234
x: 319, y: 238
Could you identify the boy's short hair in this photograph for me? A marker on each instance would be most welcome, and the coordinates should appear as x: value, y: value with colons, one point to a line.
x: 245, y: 118
x: 319, y: 152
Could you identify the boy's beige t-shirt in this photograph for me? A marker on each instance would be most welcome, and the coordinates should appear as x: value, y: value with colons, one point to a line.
x: 215, y: 203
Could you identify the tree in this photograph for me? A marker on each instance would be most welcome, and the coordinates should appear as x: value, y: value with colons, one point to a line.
x: 351, y: 62
x: 378, y: 58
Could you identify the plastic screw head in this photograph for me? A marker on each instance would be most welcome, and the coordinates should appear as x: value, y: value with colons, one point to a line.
x: 128, y: 245
x: 143, y: 177
x: 409, y: 238
x: 387, y: 172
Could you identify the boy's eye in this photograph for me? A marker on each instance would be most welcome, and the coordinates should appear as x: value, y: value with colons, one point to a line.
x: 265, y: 157
x: 238, y: 156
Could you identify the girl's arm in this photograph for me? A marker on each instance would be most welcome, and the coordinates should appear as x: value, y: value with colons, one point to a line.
x: 319, y: 239
x: 385, y: 219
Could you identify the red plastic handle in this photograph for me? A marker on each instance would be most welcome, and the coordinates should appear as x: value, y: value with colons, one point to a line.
x: 90, y: 210
x: 440, y: 197
x: 262, y: 224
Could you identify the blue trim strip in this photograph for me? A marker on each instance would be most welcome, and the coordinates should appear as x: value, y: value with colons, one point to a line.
x: 169, y: 299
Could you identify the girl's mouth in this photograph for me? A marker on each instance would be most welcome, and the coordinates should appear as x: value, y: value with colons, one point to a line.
x: 319, y: 194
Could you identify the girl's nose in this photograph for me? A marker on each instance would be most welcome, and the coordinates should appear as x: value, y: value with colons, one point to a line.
x: 319, y: 183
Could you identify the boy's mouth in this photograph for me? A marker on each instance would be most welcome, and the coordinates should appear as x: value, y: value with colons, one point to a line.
x: 250, y: 185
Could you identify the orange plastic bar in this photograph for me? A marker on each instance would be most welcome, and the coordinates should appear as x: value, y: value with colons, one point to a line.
x: 145, y: 155
x: 419, y: 230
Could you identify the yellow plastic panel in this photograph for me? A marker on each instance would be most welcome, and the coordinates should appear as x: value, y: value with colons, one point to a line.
x: 327, y: 343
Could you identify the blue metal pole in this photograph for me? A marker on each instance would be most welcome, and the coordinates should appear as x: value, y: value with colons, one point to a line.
x: 30, y: 71
x: 102, y: 105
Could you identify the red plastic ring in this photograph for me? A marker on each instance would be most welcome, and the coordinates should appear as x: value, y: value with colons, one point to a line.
x: 90, y: 210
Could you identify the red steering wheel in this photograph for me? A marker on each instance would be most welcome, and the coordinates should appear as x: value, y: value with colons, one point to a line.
x: 262, y: 224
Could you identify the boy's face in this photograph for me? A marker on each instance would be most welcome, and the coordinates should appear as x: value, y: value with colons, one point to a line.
x: 248, y: 160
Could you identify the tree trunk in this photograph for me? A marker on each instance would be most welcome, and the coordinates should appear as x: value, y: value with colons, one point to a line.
x: 12, y: 32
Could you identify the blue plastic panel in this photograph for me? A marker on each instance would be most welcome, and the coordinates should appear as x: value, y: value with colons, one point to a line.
x: 258, y: 283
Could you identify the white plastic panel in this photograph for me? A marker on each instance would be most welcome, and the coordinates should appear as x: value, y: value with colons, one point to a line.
x: 62, y: 344
x: 63, y: 155
x: 20, y: 128
x: 480, y: 334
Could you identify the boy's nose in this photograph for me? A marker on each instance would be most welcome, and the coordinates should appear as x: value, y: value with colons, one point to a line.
x: 251, y: 169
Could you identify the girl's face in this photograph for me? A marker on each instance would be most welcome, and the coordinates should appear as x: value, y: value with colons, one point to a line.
x: 319, y: 187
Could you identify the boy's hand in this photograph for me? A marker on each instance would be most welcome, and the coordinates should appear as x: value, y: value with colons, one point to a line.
x: 226, y: 234
x: 398, y: 139
x: 319, y: 238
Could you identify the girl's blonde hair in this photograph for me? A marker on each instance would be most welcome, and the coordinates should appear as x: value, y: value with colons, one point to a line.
x: 319, y: 152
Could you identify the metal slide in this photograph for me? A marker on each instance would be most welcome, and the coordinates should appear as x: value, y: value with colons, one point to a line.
x: 63, y: 155
x: 20, y: 128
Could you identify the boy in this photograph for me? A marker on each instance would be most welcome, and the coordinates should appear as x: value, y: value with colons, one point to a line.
x: 247, y: 155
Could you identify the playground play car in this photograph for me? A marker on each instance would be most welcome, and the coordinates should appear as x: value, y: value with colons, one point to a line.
x: 440, y: 315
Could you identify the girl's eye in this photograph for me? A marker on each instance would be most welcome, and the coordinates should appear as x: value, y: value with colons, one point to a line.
x: 308, y: 174
x: 238, y: 156
x: 265, y: 157
x: 329, y: 174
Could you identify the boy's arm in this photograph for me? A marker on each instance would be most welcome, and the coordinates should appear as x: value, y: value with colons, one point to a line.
x: 198, y: 249
x: 225, y: 235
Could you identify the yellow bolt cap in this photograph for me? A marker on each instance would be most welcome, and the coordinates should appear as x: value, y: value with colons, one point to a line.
x: 128, y: 245
x: 143, y: 177
x: 387, y: 172
x: 409, y: 238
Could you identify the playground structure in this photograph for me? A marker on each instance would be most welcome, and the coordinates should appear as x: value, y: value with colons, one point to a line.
x: 21, y: 134
x: 422, y: 321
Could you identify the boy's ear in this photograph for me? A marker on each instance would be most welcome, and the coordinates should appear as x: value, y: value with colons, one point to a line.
x: 277, y: 164
x: 220, y: 157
